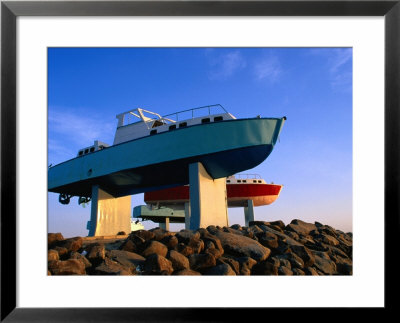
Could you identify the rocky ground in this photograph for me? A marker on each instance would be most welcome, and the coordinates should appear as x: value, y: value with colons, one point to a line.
x: 263, y: 248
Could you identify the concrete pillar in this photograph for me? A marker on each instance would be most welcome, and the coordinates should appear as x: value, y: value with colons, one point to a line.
x: 208, y: 204
x: 109, y: 215
x: 165, y: 225
x: 187, y: 215
x: 248, y: 212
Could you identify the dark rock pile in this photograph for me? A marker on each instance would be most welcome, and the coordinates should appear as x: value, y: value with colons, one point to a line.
x: 263, y: 248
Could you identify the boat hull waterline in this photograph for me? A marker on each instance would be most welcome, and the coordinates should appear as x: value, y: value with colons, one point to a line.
x: 162, y: 160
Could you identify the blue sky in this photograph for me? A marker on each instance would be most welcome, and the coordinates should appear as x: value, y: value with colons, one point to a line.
x: 88, y: 87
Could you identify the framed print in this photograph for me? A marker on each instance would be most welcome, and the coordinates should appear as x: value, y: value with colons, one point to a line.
x: 35, y: 34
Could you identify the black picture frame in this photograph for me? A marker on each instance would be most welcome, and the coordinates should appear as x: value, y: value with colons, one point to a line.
x: 10, y: 10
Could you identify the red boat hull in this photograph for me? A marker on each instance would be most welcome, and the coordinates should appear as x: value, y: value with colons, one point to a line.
x: 237, y: 195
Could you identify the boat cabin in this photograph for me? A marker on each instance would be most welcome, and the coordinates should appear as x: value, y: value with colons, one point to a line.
x: 98, y: 145
x: 140, y: 123
x: 245, y: 179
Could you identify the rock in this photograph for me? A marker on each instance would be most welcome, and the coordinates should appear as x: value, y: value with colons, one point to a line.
x: 251, y: 223
x: 326, y: 266
x: 329, y: 240
x: 278, y: 223
x: 246, y: 264
x: 299, y: 226
x: 275, y: 261
x: 184, y: 236
x: 78, y: 256
x: 54, y: 237
x: 67, y: 267
x: 186, y: 272
x: 295, y: 261
x: 277, y: 228
x: 206, y: 236
x: 127, y: 259
x: 144, y: 234
x: 268, y: 239
x: 292, y: 235
x: 155, y: 247
x: 284, y: 271
x: 298, y: 272
x: 156, y: 264
x: 96, y: 254
x: 236, y: 227
x: 184, y: 249
x: 310, y: 271
x: 62, y: 252
x: 230, y: 230
x: 110, y: 267
x: 285, y: 262
x: 129, y: 246
x: 178, y: 260
x: 281, y: 236
x: 255, y: 229
x: 160, y: 233
x: 222, y: 269
x: 212, y: 229
x: 72, y: 244
x: 241, y: 246
x: 201, y: 261
x: 231, y: 262
x: 264, y: 268
x: 52, y: 255
x: 170, y: 241
x: 213, y: 251
x: 305, y: 254
x: 196, y: 244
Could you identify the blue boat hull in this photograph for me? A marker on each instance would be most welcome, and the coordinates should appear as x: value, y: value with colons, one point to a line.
x: 162, y: 160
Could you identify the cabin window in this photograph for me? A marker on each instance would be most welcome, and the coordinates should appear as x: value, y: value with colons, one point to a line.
x: 228, y: 180
x: 219, y: 118
x: 86, y: 150
x: 153, y: 132
x: 92, y: 149
x: 260, y: 181
x: 244, y: 181
x: 81, y: 153
x: 182, y: 124
x: 205, y: 120
x: 254, y: 181
x: 172, y: 127
x: 101, y: 147
x: 157, y: 123
x: 239, y: 181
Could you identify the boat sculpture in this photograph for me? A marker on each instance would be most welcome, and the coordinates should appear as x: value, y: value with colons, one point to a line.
x: 154, y: 152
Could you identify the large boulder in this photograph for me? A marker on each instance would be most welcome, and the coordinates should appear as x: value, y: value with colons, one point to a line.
x: 305, y: 254
x: 325, y: 265
x: 245, y: 264
x: 67, y: 267
x: 231, y: 262
x: 268, y: 239
x: 96, y: 254
x: 184, y: 236
x: 264, y: 268
x: 178, y: 260
x: 77, y: 255
x: 295, y: 261
x: 155, y: 247
x: 201, y: 261
x: 157, y: 265
x: 126, y: 258
x: 241, y: 246
x: 301, y: 227
x: 110, y: 267
x: 71, y: 244
x: 170, y: 241
x: 144, y: 234
x: 52, y: 255
x: 54, y: 237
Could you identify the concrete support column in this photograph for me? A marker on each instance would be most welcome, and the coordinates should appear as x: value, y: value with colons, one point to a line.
x: 249, y: 212
x: 109, y: 215
x: 208, y: 204
x: 187, y: 215
x: 165, y: 225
